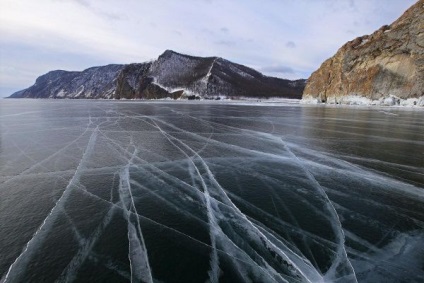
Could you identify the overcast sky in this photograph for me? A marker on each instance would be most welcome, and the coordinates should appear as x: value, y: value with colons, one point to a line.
x: 282, y: 38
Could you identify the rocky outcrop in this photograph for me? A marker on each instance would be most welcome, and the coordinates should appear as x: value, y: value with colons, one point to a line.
x: 386, y: 67
x: 172, y: 75
x: 96, y: 82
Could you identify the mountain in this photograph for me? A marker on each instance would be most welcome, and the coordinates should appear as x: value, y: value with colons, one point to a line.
x: 384, y: 68
x: 94, y: 82
x: 172, y: 75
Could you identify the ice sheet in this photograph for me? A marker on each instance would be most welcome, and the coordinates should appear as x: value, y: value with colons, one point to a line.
x: 212, y: 192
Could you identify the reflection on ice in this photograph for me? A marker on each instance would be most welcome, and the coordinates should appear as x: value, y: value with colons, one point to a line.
x: 206, y: 192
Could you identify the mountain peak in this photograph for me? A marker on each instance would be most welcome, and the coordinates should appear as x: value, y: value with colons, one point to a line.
x: 168, y: 53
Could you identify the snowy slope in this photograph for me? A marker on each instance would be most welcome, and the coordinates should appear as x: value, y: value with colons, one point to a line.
x: 95, y: 82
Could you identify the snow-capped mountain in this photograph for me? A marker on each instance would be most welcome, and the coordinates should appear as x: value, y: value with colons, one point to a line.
x: 171, y: 75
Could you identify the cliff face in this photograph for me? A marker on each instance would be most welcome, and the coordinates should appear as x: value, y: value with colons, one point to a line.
x: 172, y: 75
x: 386, y: 67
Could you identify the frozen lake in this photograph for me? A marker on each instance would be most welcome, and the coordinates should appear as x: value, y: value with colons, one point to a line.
x: 113, y: 191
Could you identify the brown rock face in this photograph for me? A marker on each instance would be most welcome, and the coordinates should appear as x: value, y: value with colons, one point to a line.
x: 387, y: 65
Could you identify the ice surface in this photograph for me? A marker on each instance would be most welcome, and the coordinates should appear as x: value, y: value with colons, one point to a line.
x: 248, y: 192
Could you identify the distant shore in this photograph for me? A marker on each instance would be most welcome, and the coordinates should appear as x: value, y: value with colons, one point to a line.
x: 274, y: 101
x: 391, y: 101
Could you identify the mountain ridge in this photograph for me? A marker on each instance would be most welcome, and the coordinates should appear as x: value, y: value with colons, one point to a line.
x: 171, y: 75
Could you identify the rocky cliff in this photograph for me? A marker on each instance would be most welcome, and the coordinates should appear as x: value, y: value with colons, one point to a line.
x: 386, y: 67
x: 172, y: 75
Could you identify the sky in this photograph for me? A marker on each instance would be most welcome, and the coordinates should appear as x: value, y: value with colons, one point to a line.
x: 281, y: 38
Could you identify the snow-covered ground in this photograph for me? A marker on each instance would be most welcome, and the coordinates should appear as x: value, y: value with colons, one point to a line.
x: 360, y: 100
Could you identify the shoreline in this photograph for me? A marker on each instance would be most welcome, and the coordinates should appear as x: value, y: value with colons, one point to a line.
x: 247, y: 102
x: 354, y: 100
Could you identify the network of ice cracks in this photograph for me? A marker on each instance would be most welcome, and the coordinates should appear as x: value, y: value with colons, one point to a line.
x: 197, y: 169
